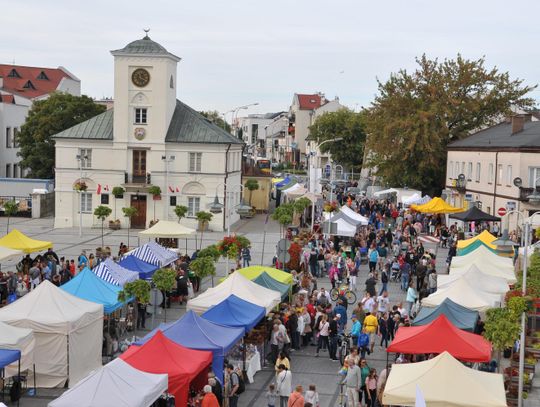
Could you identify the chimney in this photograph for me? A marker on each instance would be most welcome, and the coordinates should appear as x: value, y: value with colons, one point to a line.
x: 518, y: 121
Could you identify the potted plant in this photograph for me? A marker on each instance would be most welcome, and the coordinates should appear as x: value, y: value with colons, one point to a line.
x: 10, y: 209
x: 251, y: 185
x: 102, y: 212
x: 203, y: 267
x: 180, y: 211
x: 114, y: 224
x: 80, y: 186
x: 156, y: 196
x: 164, y: 279
x: 118, y: 193
x: 204, y: 219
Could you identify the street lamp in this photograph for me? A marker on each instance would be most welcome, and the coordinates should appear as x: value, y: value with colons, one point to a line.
x: 80, y: 158
x: 319, y: 148
x: 235, y: 115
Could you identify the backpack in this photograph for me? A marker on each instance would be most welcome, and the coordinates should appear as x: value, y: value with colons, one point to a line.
x: 363, y: 340
x: 384, y: 277
x: 241, y: 384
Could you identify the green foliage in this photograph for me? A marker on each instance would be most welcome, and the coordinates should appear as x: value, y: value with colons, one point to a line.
x: 204, y: 217
x: 215, y: 117
x: 210, y: 251
x: 180, y: 211
x: 10, y: 209
x: 537, y: 233
x: 164, y: 279
x: 102, y: 212
x: 118, y: 191
x: 203, y: 266
x: 502, y: 329
x: 251, y: 185
x: 154, y: 190
x: 533, y: 276
x: 244, y: 241
x: 517, y: 306
x: 140, y: 289
x: 284, y: 214
x: 301, y: 204
x: 129, y: 212
x: 415, y: 115
x: 46, y: 118
x: 344, y: 124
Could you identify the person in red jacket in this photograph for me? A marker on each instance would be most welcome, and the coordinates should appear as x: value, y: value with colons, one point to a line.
x: 209, y: 399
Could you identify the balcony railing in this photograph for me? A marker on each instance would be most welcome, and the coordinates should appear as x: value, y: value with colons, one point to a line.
x: 130, y: 178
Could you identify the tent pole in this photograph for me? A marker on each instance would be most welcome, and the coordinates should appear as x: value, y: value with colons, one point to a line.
x: 244, y: 372
x: 19, y: 378
x: 35, y: 391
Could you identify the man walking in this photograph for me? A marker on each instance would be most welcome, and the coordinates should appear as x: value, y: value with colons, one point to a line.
x: 353, y: 382
x: 234, y: 385
x: 333, y: 336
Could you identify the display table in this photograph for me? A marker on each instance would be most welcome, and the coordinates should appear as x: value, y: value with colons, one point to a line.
x: 253, y: 365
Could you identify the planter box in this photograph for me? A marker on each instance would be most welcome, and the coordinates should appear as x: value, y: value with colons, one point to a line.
x: 157, y: 198
x: 114, y: 226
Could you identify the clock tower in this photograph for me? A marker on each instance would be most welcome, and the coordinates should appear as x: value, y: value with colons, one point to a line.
x: 144, y: 92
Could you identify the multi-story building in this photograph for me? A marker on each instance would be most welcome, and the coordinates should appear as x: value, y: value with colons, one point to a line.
x: 482, y: 168
x: 253, y: 131
x: 20, y: 86
x: 148, y: 138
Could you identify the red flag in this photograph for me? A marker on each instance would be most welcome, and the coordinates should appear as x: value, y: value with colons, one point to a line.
x: 177, y: 190
x: 171, y: 189
x: 98, y: 189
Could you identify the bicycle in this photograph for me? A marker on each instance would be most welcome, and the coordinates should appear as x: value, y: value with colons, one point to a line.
x: 345, y: 347
x: 343, y: 290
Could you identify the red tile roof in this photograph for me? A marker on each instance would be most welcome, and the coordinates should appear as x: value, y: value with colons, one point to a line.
x: 38, y: 87
x: 7, y: 99
x: 309, y: 102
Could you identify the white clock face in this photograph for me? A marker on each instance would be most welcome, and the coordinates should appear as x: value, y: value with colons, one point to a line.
x: 139, y: 133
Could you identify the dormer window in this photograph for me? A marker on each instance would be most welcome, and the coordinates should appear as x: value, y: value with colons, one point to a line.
x: 43, y: 76
x: 29, y: 85
x: 13, y: 74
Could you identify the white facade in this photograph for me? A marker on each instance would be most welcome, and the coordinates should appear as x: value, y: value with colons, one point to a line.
x: 254, y: 131
x: 137, y: 155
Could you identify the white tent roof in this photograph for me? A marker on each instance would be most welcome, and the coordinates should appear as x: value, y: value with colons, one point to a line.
x: 6, y: 253
x: 294, y: 188
x: 485, y: 267
x: 444, y: 381
x: 415, y: 199
x: 352, y: 214
x: 167, y: 229
x: 463, y: 293
x: 21, y: 339
x: 344, y: 228
x: 484, y: 255
x: 240, y: 286
x: 484, y: 282
x: 530, y: 249
x: 68, y: 333
x: 115, y: 384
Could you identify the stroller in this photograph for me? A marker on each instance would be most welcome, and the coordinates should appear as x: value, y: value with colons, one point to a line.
x: 396, y: 271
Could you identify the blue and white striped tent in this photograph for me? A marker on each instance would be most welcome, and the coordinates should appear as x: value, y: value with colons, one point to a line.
x: 155, y: 254
x: 113, y: 273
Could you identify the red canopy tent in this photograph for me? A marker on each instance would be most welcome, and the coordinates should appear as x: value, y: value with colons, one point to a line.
x: 183, y: 365
x: 439, y: 336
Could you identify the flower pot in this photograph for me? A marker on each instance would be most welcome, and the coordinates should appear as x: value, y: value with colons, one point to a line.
x: 114, y: 225
x: 157, y: 198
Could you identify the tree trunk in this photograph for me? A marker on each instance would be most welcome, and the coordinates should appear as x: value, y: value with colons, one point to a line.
x: 8, y: 224
x: 129, y: 227
x: 102, y: 244
x: 250, y: 193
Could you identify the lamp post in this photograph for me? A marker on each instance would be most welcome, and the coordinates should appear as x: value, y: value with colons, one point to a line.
x: 167, y: 160
x: 235, y: 115
x: 80, y: 158
x: 319, y: 148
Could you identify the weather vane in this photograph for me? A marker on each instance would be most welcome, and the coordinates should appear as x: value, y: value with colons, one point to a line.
x: 146, y: 30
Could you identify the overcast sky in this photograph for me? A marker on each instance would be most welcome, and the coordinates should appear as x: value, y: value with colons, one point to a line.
x: 239, y: 51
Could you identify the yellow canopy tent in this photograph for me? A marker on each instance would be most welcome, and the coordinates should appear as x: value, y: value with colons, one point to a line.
x: 167, y: 229
x: 436, y: 205
x: 252, y: 272
x: 19, y: 241
x: 485, y: 237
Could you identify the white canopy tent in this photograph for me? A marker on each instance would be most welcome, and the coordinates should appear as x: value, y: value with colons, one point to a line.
x: 415, y: 199
x: 484, y: 255
x: 6, y: 253
x: 68, y: 333
x: 356, y: 216
x: 477, y: 279
x: 240, y: 286
x: 530, y: 250
x: 400, y: 193
x: 21, y: 339
x: 486, y: 268
x: 344, y: 228
x: 444, y: 382
x: 463, y: 293
x: 167, y: 229
x: 115, y: 384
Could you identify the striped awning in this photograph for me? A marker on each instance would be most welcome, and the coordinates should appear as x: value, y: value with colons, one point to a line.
x: 113, y: 273
x: 155, y: 254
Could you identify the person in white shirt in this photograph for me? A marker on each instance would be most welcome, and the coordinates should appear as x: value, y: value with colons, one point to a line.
x: 382, y: 303
x: 368, y: 303
x: 283, y: 385
x: 312, y: 396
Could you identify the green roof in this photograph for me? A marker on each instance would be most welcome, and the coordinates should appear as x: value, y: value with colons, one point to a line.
x: 99, y: 127
x: 144, y: 46
x: 189, y: 126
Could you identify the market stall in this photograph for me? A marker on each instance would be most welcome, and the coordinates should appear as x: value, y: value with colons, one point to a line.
x: 439, y: 336
x: 21, y: 339
x: 485, y: 254
x: 154, y: 254
x: 500, y: 271
x: 234, y: 311
x: 88, y: 286
x: 167, y: 229
x: 464, y: 294
x: 252, y: 272
x: 436, y: 206
x: 6, y: 253
x: 19, y: 241
x: 8, y: 357
x: 484, y: 237
x: 266, y: 281
x: 240, y: 286
x: 198, y: 333
x: 474, y: 214
x: 115, y: 384
x: 444, y: 381
x: 68, y: 332
x: 460, y: 316
x: 144, y: 269
x: 184, y: 367
x: 354, y: 215
x: 474, y: 246
x: 113, y: 273
x: 484, y: 282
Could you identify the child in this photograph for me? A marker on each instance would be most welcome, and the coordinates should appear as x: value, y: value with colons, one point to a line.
x: 271, y: 396
x: 311, y: 398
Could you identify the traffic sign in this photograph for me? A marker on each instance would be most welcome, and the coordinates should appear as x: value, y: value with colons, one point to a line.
x: 284, y: 245
x: 327, y: 170
x: 284, y: 257
x: 501, y: 211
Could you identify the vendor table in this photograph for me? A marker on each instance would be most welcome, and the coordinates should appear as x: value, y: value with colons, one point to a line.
x: 253, y: 365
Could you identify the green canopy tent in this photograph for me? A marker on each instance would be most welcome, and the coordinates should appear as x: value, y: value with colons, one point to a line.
x: 472, y: 247
x: 264, y: 279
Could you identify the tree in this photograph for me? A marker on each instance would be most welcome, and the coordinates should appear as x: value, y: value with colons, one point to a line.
x: 139, y: 289
x: 251, y: 185
x: 117, y: 192
x: 129, y: 212
x: 204, y: 267
x: 416, y: 115
x: 284, y: 214
x: 164, y: 279
x: 204, y: 219
x: 502, y: 329
x: 344, y: 124
x: 46, y: 118
x: 215, y: 117
x: 210, y: 251
x: 155, y: 191
x: 10, y: 209
x: 102, y: 212
x: 180, y: 211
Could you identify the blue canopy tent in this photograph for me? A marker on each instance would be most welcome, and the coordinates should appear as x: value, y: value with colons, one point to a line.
x: 460, y: 316
x: 88, y: 286
x: 154, y: 253
x: 235, y: 312
x: 7, y: 357
x: 264, y: 279
x: 195, y: 332
x: 132, y: 263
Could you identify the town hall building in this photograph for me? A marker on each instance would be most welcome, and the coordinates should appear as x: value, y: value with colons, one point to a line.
x: 149, y: 138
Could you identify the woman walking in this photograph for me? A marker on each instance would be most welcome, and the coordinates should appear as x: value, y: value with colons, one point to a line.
x: 323, y: 327
x: 371, y: 388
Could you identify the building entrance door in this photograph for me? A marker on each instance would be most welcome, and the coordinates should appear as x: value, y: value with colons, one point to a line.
x: 138, y: 221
